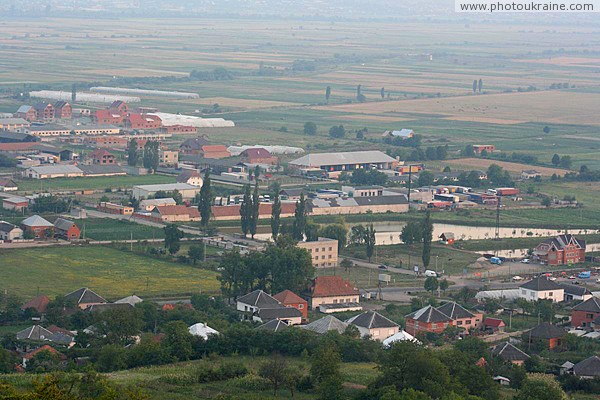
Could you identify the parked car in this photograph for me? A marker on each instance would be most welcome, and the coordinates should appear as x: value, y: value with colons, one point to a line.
x: 496, y: 260
x: 552, y: 278
x: 383, y: 267
x: 430, y: 273
x: 525, y: 261
x: 517, y: 278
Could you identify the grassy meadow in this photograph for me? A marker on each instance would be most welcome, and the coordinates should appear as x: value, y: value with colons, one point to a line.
x: 92, y: 183
x: 110, y: 272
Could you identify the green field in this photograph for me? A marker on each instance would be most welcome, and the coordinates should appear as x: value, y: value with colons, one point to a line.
x: 95, y: 183
x: 117, y: 229
x: 111, y: 272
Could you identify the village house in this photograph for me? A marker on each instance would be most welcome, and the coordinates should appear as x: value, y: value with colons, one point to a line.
x: 400, y: 336
x: 291, y: 299
x: 175, y: 213
x: 289, y: 315
x: 576, y: 292
x: 63, y: 110
x: 39, y: 304
x: 427, y: 319
x: 45, y: 111
x: 493, y: 325
x: 332, y: 290
x: 37, y: 227
x: 202, y: 330
x: 112, y: 208
x: 509, y: 353
x: 258, y: 155
x: 53, y: 171
x: 168, y: 157
x: 119, y: 107
x: 584, y: 313
x: 542, y: 288
x: 66, y: 229
x: 323, y: 252
x: 107, y: 117
x: 8, y: 185
x: 488, y: 148
x: 191, y: 177
x: 326, y: 324
x: 263, y: 308
x: 564, y: 249
x: 254, y: 301
x: 193, y: 145
x: 588, y: 368
x: 374, y: 325
x: 84, y: 298
x: 214, y: 151
x: 10, y: 232
x: 101, y: 157
x: 15, y: 203
x: 142, y: 121
x: 149, y: 204
x: 462, y: 318
x: 28, y: 113
x: 546, y: 335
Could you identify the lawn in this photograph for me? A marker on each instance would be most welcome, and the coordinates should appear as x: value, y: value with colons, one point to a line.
x: 95, y: 183
x: 367, y: 277
x: 112, y: 229
x: 112, y: 273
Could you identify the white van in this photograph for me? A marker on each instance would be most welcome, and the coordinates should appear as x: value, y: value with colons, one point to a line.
x: 430, y: 273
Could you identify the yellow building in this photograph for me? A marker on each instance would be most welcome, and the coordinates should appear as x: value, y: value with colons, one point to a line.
x: 324, y: 252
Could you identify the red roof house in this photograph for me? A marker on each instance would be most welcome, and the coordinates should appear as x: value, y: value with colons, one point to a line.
x: 584, y: 313
x: 291, y: 299
x: 258, y: 156
x: 142, y: 121
x: 331, y: 289
x: 494, y: 324
x: 39, y: 304
x: 102, y: 157
x: 215, y: 151
x: 175, y: 213
x: 119, y: 107
x: 63, y: 110
x: 107, y: 117
x: 427, y: 319
x: 561, y: 250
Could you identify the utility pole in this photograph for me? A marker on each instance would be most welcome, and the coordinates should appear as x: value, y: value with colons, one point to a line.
x: 498, y: 218
x: 131, y: 241
x: 409, y: 184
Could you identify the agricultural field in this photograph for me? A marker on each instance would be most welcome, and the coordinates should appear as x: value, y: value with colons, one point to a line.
x: 482, y: 164
x: 117, y: 229
x: 112, y: 273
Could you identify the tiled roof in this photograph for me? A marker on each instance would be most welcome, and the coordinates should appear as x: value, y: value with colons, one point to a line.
x: 273, y: 325
x: 332, y: 285
x: 455, y: 311
x: 63, y: 224
x: 36, y: 220
x: 493, y: 322
x: 371, y: 320
x: 508, y: 352
x: 264, y: 209
x: 185, y: 175
x: 288, y: 297
x: 588, y: 367
x: 257, y: 152
x: 590, y: 305
x: 541, y: 283
x: 177, y: 210
x: 428, y: 314
x: 39, y: 303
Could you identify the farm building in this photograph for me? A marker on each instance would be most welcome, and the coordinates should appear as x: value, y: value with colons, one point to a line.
x: 488, y: 148
x: 67, y: 229
x: 357, y: 205
x: 63, y: 110
x: 175, y: 213
x: 258, y: 156
x: 53, y: 171
x: 232, y: 212
x: 112, y: 208
x: 149, y: 204
x: 146, y: 191
x: 9, y: 232
x: 346, y: 161
x: 15, y: 203
x: 9, y: 124
x: 26, y: 112
x: 102, y: 170
x: 189, y: 120
x: 447, y: 238
x: 8, y: 185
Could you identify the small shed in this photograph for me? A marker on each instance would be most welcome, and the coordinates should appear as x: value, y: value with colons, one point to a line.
x: 447, y: 238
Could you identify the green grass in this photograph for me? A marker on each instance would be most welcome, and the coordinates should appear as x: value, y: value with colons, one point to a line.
x: 94, y: 183
x: 112, y: 229
x: 510, y: 243
x: 112, y: 273
x: 367, y: 277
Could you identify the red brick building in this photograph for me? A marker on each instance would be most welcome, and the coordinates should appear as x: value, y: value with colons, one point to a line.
x: 107, y: 117
x: 291, y: 299
x: 28, y: 113
x: 584, y: 313
x: 142, y: 121
x: 45, y: 111
x: 179, y: 129
x: 427, y: 319
x: 119, y: 107
x: 38, y: 227
x: 462, y: 318
x: 258, y: 156
x: 547, y: 335
x: 102, y: 157
x: 108, y: 141
x: 67, y: 229
x: 63, y: 110
x: 561, y: 250
x: 489, y: 148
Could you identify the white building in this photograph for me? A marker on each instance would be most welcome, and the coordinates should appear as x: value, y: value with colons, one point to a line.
x: 202, y: 330
x: 53, y: 171
x: 145, y: 191
x: 542, y: 288
x: 149, y: 204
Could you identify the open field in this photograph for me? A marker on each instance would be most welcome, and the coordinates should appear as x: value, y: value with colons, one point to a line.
x: 101, y: 182
x: 513, y: 168
x: 111, y: 272
x: 117, y: 229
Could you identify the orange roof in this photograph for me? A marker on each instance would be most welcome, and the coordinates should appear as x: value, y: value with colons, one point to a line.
x: 39, y: 303
x: 16, y: 146
x: 215, y: 148
x: 332, y: 285
x: 100, y: 153
x: 288, y: 297
x: 45, y: 347
x: 177, y: 210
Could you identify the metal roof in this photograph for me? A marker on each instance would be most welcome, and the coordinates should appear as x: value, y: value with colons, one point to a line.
x: 57, y: 169
x: 168, y: 187
x: 343, y: 158
x: 36, y: 220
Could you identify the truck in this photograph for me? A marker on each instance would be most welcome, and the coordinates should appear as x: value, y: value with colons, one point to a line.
x: 507, y: 191
x: 496, y: 260
x: 585, y: 275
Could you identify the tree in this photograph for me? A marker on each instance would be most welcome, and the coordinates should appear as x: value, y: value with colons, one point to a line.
x: 480, y: 85
x: 172, y: 238
x: 475, y: 86
x: 246, y: 210
x: 541, y: 387
x: 310, y: 128
x: 151, y: 155
x: 566, y: 162
x: 7, y: 362
x: 132, y: 153
x: 299, y: 225
x: 325, y: 372
x: 444, y: 284
x: 73, y: 93
x: 337, y: 131
x: 546, y: 201
x: 232, y: 268
x: 276, y: 212
x: 327, y: 93
x: 556, y: 159
x: 425, y: 178
x: 118, y: 326
x: 338, y: 232
x: 546, y: 129
x: 427, y: 238
x: 382, y: 93
x: 469, y: 152
x: 205, y: 200
x: 359, y: 96
x: 254, y: 211
x: 431, y: 284
x: 368, y: 177
x: 411, y: 233
x: 178, y: 340
x: 195, y: 253
x: 370, y: 241
x: 275, y: 371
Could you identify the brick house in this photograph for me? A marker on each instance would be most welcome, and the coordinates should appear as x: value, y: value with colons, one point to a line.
x: 101, y: 157
x: 547, y: 335
x: 142, y: 121
x: 63, y: 110
x: 38, y: 227
x: 291, y: 299
x: 180, y: 129
x: 584, y: 313
x: 191, y: 177
x: 331, y: 289
x: 45, y: 111
x: 493, y: 325
x: 489, y: 148
x: 258, y: 156
x: 374, y: 325
x: 108, y: 141
x: 215, y: 151
x: 67, y: 229
x: 427, y: 319
x: 26, y: 112
x: 84, y: 298
x: 462, y: 318
x: 509, y: 353
x: 107, y: 117
x: 193, y: 145
x: 561, y: 250
x: 119, y: 107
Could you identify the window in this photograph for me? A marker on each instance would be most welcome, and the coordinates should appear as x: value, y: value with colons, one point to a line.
x: 589, y: 316
x: 468, y: 322
x: 331, y: 248
x: 459, y: 322
x: 317, y: 250
x: 300, y: 306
